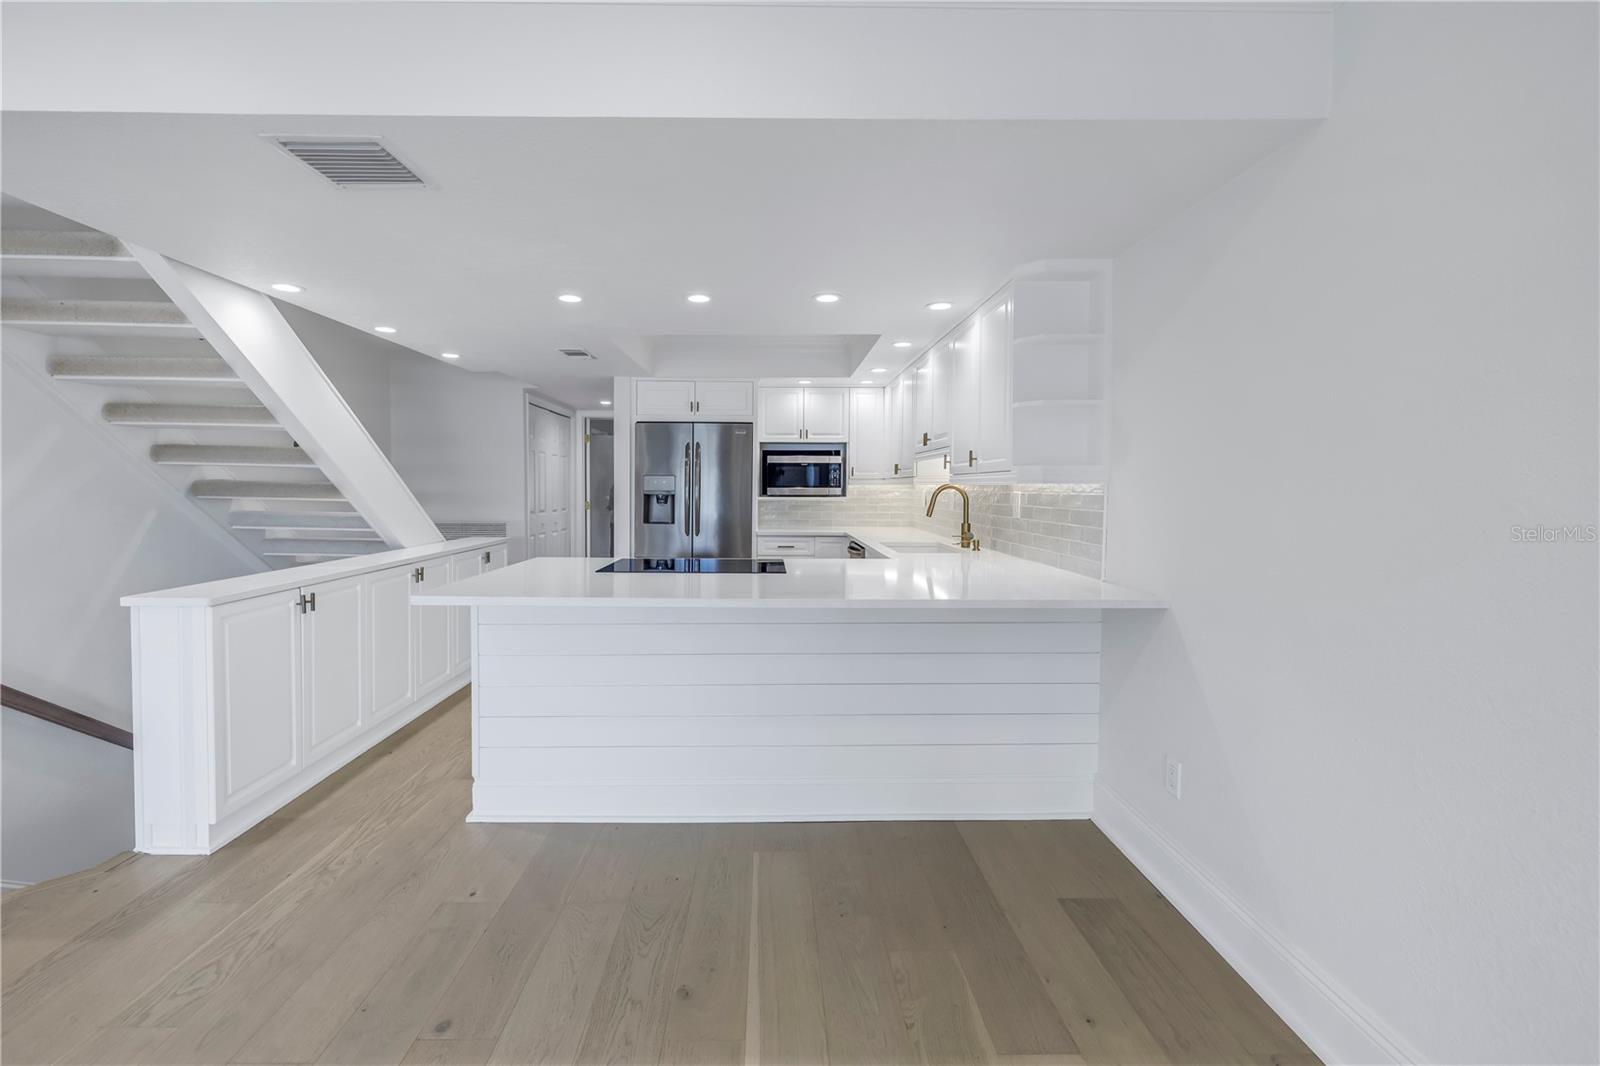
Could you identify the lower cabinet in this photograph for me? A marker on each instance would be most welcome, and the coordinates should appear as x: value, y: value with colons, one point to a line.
x: 333, y: 625
x: 390, y: 612
x: 242, y: 705
x: 257, y: 696
x: 430, y: 629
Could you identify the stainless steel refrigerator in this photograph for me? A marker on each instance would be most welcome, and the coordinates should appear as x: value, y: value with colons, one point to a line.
x: 694, y: 490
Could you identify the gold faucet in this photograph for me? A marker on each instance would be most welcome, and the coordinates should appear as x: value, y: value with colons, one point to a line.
x: 967, y: 539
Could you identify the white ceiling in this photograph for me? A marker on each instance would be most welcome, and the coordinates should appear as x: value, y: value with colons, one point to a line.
x: 633, y: 214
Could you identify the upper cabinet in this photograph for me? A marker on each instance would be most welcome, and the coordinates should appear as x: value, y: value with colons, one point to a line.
x: 980, y: 392
x: 869, y: 440
x: 794, y: 413
x: 684, y: 400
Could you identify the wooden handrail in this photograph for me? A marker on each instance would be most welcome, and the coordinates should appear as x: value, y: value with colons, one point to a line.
x: 54, y: 712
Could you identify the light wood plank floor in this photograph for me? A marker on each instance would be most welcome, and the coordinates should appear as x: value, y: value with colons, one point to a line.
x: 368, y: 923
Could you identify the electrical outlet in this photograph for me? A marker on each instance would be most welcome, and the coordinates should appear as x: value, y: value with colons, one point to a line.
x: 1174, y: 777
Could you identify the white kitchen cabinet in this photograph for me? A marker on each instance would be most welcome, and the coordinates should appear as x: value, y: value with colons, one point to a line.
x: 869, y: 439
x: 905, y: 450
x: 786, y: 546
x: 658, y: 400
x: 430, y: 629
x: 257, y: 696
x: 463, y: 566
x: 724, y: 401
x: 795, y: 413
x: 827, y: 414
x: 831, y: 547
x: 782, y: 413
x: 245, y: 696
x: 333, y: 661
x: 688, y: 400
x: 992, y: 453
x: 933, y: 397
x: 389, y: 614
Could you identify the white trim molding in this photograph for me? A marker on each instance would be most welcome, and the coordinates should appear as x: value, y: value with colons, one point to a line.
x: 1332, y: 1021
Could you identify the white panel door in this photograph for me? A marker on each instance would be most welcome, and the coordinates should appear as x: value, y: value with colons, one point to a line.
x: 827, y: 414
x: 869, y: 442
x: 724, y: 401
x: 463, y: 566
x: 389, y: 619
x: 964, y: 405
x: 781, y: 415
x: 331, y: 644
x: 656, y: 400
x: 256, y: 696
x: 993, y: 451
x: 936, y: 390
x: 430, y: 630
x: 549, y: 483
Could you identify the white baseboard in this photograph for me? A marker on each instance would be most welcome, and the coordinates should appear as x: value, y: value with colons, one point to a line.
x: 1332, y: 1022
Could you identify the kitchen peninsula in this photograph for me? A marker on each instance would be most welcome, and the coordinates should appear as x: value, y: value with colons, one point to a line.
x: 924, y: 684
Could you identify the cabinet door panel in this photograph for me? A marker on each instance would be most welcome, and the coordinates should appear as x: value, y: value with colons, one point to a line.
x: 430, y: 630
x: 994, y: 389
x: 965, y: 404
x: 497, y: 558
x: 869, y: 450
x: 936, y: 392
x: 827, y: 414
x: 257, y: 696
x: 781, y: 415
x: 724, y: 401
x: 331, y: 642
x: 919, y: 405
x: 904, y: 445
x: 658, y: 400
x: 463, y: 566
x: 389, y: 616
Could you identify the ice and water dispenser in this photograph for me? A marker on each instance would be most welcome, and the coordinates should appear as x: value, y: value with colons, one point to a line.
x: 660, y: 505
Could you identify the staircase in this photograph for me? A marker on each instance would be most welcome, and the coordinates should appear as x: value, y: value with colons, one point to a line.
x: 126, y: 354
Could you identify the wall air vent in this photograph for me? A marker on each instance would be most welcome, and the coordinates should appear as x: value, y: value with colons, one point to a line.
x: 350, y: 161
x: 574, y: 353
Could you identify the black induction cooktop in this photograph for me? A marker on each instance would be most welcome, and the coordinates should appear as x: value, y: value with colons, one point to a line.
x: 694, y: 566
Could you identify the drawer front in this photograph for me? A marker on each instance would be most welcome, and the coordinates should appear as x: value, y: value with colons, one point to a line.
x: 786, y: 546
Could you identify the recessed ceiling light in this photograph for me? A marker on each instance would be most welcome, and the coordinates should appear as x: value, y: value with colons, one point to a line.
x: 826, y: 297
x: 284, y: 286
x: 940, y: 305
x: 803, y: 381
x: 869, y: 383
x: 570, y: 298
x: 902, y: 344
x: 880, y: 370
x: 383, y: 329
x: 698, y: 298
x: 449, y: 355
x: 605, y: 403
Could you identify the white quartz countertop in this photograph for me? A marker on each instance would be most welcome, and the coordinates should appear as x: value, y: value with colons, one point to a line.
x: 227, y: 590
x: 955, y: 579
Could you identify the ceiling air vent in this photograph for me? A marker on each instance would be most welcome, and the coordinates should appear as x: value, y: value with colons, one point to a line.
x: 574, y: 353
x: 350, y: 161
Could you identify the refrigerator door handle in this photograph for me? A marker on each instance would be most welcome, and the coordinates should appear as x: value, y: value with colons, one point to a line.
x: 688, y: 491
x: 698, y: 494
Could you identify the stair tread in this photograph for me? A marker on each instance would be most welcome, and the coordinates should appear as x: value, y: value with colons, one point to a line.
x: 265, y: 490
x: 61, y: 244
x: 228, y: 455
x: 319, y: 523
x: 34, y: 311
x: 187, y: 414
x: 322, y: 547
x: 183, y: 368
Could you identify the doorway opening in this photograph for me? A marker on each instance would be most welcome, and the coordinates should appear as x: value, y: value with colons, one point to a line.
x: 599, y: 493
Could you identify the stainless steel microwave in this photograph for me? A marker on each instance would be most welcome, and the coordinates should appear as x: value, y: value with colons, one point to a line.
x: 802, y: 470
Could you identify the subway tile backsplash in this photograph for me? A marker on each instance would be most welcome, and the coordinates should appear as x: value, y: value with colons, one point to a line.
x: 1059, y: 525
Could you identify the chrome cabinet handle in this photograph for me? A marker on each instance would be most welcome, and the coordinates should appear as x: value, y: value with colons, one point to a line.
x: 688, y: 490
x: 699, y: 493
x: 311, y: 600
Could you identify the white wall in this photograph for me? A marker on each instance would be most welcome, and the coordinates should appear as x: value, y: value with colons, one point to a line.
x: 457, y: 437
x: 85, y: 522
x: 1340, y: 382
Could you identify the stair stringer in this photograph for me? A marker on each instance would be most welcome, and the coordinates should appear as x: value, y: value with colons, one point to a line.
x: 249, y: 332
